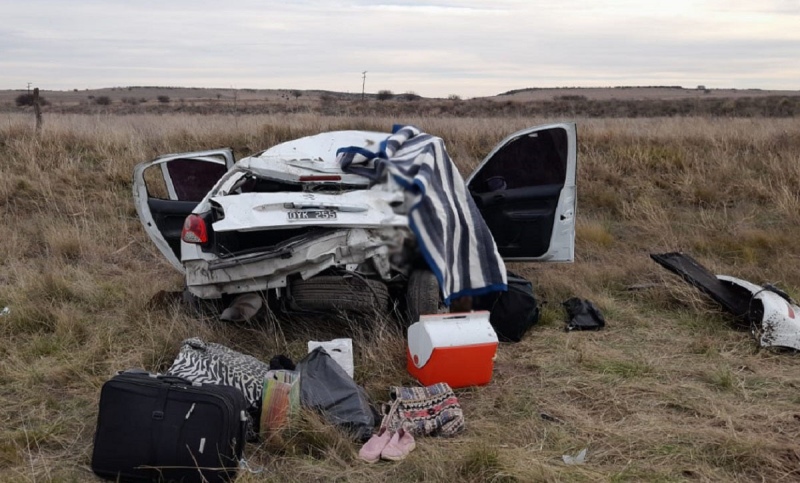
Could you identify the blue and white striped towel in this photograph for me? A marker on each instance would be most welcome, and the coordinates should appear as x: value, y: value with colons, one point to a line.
x: 450, y: 231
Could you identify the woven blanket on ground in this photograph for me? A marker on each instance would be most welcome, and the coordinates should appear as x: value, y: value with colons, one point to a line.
x: 424, y: 411
x: 453, y: 237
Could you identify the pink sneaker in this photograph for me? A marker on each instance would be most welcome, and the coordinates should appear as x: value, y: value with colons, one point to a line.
x: 371, y: 451
x: 401, y: 443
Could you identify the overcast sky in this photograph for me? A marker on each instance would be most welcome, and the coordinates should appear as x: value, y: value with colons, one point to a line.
x: 434, y: 48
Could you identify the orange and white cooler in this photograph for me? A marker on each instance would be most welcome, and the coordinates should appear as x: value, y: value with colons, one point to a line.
x: 458, y: 349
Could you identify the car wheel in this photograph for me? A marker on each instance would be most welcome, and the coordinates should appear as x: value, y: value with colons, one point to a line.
x: 349, y: 294
x: 423, y: 295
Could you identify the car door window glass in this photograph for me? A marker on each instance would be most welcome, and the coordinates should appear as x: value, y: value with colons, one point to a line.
x: 192, y: 179
x: 534, y: 159
x: 154, y: 183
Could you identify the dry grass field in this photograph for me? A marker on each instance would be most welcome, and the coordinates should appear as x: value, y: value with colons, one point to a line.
x: 669, y: 391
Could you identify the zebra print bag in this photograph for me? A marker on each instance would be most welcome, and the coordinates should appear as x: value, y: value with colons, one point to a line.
x: 210, y: 363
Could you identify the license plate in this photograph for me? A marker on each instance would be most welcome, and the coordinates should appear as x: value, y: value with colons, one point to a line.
x: 311, y: 215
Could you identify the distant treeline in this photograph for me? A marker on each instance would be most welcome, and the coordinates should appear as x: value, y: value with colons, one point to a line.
x: 561, y: 106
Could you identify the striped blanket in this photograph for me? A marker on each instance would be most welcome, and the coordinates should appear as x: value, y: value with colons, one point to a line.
x: 452, y: 235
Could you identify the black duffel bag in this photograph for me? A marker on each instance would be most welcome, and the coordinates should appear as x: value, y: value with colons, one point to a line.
x: 513, y: 312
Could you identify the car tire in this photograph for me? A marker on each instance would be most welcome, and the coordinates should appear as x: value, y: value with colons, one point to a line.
x: 423, y: 295
x: 348, y: 294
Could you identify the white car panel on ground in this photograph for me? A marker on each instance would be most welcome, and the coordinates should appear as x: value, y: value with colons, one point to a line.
x: 780, y: 319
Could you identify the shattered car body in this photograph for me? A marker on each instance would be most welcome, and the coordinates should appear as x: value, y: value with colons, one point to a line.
x: 289, y: 215
x: 769, y: 313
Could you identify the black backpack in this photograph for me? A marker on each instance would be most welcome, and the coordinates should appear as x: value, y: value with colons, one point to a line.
x: 513, y: 312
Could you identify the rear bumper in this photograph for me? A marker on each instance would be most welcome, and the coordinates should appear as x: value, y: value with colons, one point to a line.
x: 209, y: 279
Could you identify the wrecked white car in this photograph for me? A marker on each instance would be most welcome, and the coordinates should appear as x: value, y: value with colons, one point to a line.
x: 289, y: 223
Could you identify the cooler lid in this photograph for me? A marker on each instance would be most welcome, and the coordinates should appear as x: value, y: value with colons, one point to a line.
x: 448, y: 330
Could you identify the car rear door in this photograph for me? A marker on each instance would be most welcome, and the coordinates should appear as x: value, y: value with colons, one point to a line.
x: 525, y: 190
x: 167, y: 189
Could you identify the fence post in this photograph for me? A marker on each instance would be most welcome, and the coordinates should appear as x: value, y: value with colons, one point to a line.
x: 37, y: 110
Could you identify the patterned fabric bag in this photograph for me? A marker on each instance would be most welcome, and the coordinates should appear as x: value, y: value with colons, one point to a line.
x: 207, y: 362
x: 424, y: 411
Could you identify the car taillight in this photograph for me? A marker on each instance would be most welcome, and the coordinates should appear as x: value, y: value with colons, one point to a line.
x: 194, y: 230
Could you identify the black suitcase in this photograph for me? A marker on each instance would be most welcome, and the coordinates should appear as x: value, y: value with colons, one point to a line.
x: 165, y: 428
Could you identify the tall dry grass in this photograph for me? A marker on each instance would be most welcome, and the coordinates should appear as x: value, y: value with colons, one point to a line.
x: 668, y: 392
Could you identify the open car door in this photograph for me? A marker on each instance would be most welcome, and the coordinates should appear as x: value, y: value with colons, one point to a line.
x: 167, y: 189
x: 525, y: 190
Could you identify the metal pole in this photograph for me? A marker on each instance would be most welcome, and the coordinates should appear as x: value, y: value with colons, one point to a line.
x: 37, y: 110
x: 363, y: 83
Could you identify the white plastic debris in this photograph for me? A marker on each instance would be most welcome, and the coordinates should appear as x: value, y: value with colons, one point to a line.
x: 5, y: 311
x: 575, y: 460
x: 340, y: 350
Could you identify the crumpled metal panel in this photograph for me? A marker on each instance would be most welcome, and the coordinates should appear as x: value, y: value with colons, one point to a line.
x: 354, y: 209
x: 731, y: 298
x: 773, y: 318
x: 253, y: 273
x: 775, y: 321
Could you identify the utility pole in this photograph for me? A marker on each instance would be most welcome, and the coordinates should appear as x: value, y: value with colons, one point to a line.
x: 29, y: 87
x: 363, y: 83
x: 235, y: 109
x: 37, y: 110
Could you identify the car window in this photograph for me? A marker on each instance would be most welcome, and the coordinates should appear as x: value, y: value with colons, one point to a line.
x: 192, y: 179
x: 154, y: 182
x: 535, y: 159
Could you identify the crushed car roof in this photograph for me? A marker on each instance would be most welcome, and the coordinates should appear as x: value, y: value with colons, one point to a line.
x: 315, y: 153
